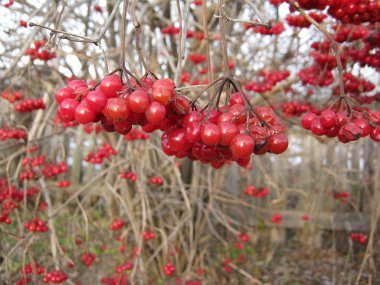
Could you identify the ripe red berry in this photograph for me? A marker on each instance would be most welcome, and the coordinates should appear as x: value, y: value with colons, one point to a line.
x: 163, y: 91
x: 307, y: 119
x: 242, y: 145
x: 63, y: 93
x: 228, y: 131
x: 96, y: 100
x: 316, y: 127
x: 116, y: 109
x: 210, y: 134
x: 178, y: 142
x: 364, y: 125
x: 83, y: 114
x: 110, y: 85
x: 139, y: 101
x: 67, y: 109
x: 155, y: 113
x: 375, y: 133
x: 278, y: 143
x: 328, y: 119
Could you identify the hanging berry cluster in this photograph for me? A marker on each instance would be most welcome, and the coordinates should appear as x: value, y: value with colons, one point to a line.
x: 268, y: 80
x: 55, y: 277
x: 210, y: 135
x: 7, y: 133
x: 12, y: 96
x: 344, y: 123
x: 39, y: 51
x: 29, y: 105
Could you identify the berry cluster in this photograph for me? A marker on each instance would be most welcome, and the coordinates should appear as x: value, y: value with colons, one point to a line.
x: 315, y: 75
x: 326, y: 60
x: 346, y: 126
x: 149, y: 235
x: 276, y: 29
x: 155, y: 180
x: 24, y: 281
x: 64, y: 184
x: 33, y: 161
x: 88, y: 259
x: 197, y: 58
x: 296, y: 108
x: 300, y: 21
x: 216, y: 137
x: 169, y: 269
x: 350, y: 33
x: 104, y: 152
x: 27, y: 175
x: 12, y: 134
x: 29, y: 105
x: 355, y: 85
x: 118, y: 109
x: 33, y: 268
x: 195, y: 35
x: 365, y: 56
x: 170, y: 30
x: 4, y: 217
x: 276, y: 219
x: 256, y: 192
x: 36, y: 225
x: 38, y: 51
x: 116, y: 225
x: 55, y: 277
x: 52, y: 170
x: 358, y: 237
x: 355, y: 11
x: 31, y: 191
x: 131, y: 176
x: 126, y: 266
x: 12, y: 96
x: 209, y: 135
x: 9, y: 3
x: 269, y: 80
x: 342, y: 196
x: 311, y: 4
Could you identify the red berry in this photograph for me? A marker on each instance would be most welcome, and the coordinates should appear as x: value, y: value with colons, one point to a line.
x: 116, y: 109
x: 96, y: 100
x: 110, y: 85
x: 242, y: 145
x: 228, y: 131
x: 178, y: 142
x: 278, y: 143
x: 139, y: 101
x: 67, y: 109
x: 307, y: 120
x: 375, y: 133
x: 328, y: 119
x: 316, y: 127
x: 210, y: 134
x: 64, y: 93
x: 163, y: 91
x: 155, y: 113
